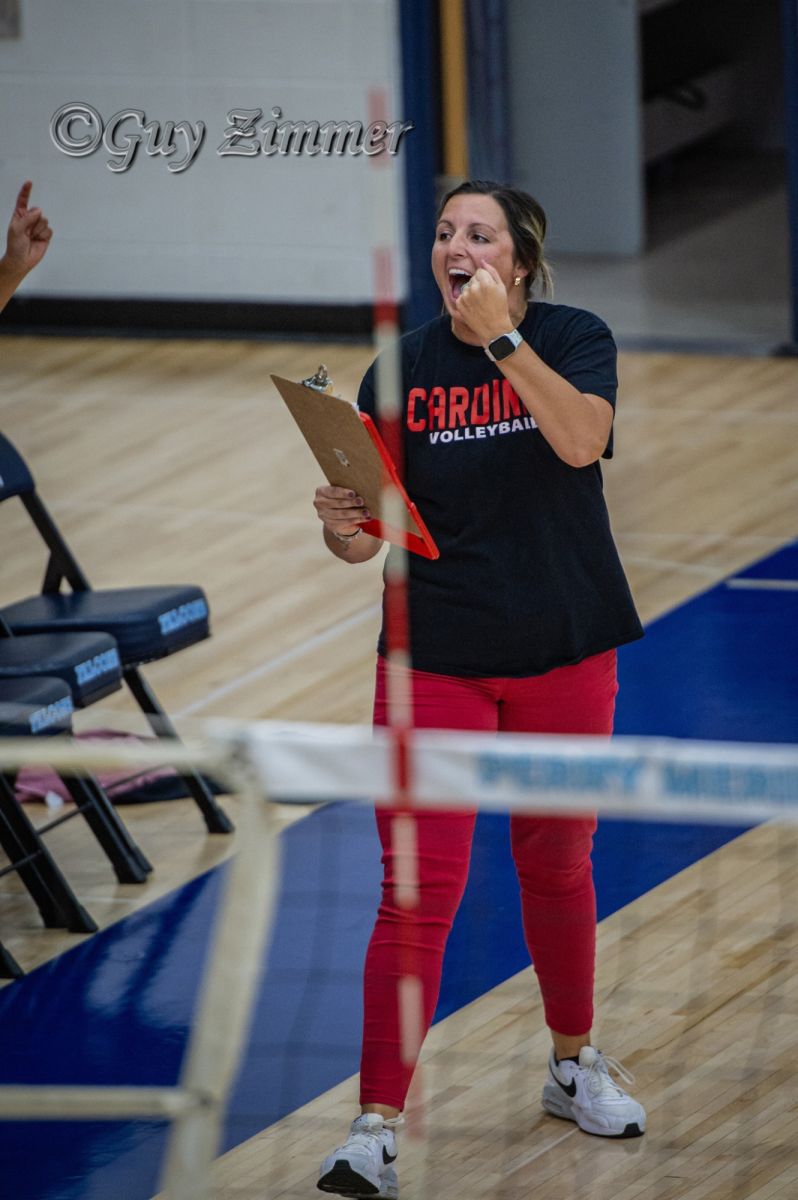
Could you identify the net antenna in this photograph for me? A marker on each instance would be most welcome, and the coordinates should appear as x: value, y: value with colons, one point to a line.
x: 386, y: 180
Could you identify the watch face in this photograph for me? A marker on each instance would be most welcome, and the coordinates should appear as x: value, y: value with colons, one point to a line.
x: 502, y: 347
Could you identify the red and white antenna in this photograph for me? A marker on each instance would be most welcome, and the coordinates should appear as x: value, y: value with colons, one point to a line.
x: 390, y: 413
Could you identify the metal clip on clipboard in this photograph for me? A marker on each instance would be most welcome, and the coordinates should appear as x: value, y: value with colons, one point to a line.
x: 347, y: 446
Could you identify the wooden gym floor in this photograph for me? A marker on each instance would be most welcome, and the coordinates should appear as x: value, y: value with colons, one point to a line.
x: 695, y: 993
x: 175, y: 461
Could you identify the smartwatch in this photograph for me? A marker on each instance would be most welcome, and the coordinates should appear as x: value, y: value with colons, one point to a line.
x: 504, y: 346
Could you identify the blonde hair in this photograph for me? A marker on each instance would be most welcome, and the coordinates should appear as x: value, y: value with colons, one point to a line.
x: 526, y: 221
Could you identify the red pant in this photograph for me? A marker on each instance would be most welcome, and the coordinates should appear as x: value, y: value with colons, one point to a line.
x: 552, y: 858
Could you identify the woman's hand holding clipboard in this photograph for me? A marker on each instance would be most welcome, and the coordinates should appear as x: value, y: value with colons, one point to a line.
x: 347, y: 446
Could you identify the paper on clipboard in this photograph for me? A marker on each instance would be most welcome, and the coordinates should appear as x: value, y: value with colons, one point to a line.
x: 349, y: 450
x: 351, y: 453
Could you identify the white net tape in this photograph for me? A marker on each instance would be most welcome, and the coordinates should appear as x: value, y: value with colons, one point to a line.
x: 660, y: 778
x: 656, y: 778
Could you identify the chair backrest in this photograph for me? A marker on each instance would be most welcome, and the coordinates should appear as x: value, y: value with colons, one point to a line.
x: 15, y: 478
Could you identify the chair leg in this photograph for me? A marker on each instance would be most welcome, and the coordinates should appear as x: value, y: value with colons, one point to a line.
x: 123, y: 854
x: 54, y: 898
x: 9, y: 967
x: 102, y: 802
x: 216, y: 819
x: 23, y: 848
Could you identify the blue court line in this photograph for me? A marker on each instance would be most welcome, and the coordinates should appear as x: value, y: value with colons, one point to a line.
x: 117, y: 1009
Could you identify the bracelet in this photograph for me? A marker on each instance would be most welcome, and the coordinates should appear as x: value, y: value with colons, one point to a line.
x: 346, y: 538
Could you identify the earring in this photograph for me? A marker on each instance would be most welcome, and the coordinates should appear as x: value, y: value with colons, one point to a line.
x: 517, y: 280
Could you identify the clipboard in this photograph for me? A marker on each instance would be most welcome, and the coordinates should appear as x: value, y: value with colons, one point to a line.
x: 348, y: 448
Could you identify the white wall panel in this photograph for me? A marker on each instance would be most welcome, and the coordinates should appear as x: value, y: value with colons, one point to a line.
x: 266, y: 228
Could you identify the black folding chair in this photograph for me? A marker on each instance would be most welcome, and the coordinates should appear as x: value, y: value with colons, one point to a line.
x: 147, y: 623
x: 89, y: 665
x: 38, y: 707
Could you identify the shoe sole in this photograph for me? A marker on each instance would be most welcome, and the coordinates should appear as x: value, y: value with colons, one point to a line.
x: 342, y: 1180
x: 565, y: 1113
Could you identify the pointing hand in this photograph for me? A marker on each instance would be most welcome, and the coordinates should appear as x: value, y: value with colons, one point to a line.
x: 29, y: 235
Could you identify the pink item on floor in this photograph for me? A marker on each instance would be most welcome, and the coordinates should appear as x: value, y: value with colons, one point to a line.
x: 40, y: 784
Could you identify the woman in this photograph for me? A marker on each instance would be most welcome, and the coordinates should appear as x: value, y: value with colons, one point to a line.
x: 508, y: 408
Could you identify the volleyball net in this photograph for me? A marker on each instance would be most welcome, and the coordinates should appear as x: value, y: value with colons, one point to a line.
x: 723, y: 935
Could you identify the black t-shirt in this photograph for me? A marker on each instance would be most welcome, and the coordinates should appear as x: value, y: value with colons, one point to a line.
x: 528, y: 578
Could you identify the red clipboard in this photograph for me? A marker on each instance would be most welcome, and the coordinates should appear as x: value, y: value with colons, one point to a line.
x: 347, y: 446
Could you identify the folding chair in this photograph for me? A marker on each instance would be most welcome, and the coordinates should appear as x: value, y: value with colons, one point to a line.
x: 37, y: 707
x: 147, y: 623
x: 88, y: 664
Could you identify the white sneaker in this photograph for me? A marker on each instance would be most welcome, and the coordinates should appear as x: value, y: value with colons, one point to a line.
x: 363, y: 1165
x: 585, y: 1093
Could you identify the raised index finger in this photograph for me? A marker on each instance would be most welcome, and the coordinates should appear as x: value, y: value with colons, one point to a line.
x: 21, y: 206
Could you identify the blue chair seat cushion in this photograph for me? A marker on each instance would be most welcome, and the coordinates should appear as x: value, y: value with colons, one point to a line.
x: 147, y: 622
x: 38, y: 705
x: 87, y: 662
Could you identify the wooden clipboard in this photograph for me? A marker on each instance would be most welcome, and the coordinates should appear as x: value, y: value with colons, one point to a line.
x: 351, y: 453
